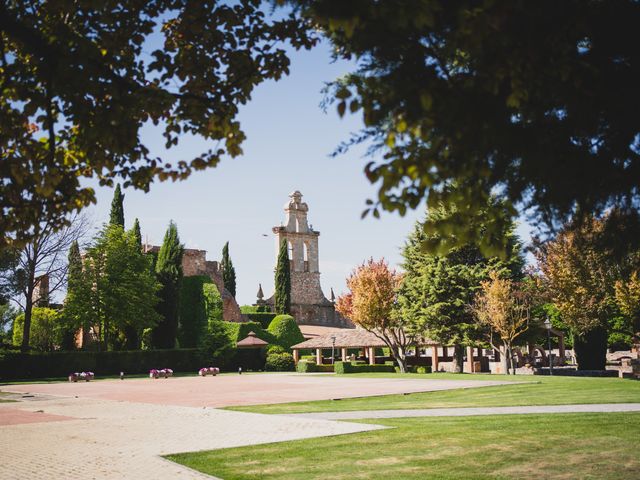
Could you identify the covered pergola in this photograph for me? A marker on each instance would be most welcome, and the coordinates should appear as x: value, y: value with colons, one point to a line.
x: 349, y: 339
x: 251, y: 341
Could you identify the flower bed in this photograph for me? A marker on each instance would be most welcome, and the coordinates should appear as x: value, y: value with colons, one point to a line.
x: 81, y: 376
x: 163, y: 373
x: 213, y: 371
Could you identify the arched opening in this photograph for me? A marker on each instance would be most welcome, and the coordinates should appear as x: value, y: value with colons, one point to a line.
x: 305, y: 254
x: 290, y: 252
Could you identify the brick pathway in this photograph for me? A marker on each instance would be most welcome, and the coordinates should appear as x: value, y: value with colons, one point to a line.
x: 107, y: 439
x: 228, y: 390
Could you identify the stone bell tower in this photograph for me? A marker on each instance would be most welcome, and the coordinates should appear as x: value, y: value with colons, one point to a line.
x: 308, y: 303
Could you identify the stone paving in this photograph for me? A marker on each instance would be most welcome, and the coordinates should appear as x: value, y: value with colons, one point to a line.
x: 108, y: 439
x: 472, y: 411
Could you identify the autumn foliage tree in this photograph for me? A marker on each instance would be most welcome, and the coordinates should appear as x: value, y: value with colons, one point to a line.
x: 371, y: 304
x: 503, y: 306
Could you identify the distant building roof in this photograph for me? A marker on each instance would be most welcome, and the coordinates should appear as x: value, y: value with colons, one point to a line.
x: 313, y: 331
x: 349, y: 338
x: 251, y: 342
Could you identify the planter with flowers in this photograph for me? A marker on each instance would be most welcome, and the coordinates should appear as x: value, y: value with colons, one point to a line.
x: 162, y: 373
x: 81, y: 376
x: 213, y: 371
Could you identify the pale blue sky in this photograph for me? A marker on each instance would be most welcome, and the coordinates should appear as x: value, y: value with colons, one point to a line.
x: 289, y: 139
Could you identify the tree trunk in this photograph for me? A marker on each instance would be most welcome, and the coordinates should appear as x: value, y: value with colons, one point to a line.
x: 458, y: 358
x: 26, y: 329
x: 508, y: 358
x: 401, y: 359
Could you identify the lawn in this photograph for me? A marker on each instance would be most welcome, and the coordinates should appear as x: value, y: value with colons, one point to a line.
x: 559, y: 446
x: 538, y: 391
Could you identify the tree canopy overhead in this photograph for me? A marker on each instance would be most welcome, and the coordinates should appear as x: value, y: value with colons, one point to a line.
x: 79, y: 80
x: 536, y: 101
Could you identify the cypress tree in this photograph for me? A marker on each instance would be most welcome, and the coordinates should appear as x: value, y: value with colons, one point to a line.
x: 117, y: 209
x: 75, y: 308
x: 228, y: 272
x: 169, y: 274
x: 283, y: 281
x: 137, y: 234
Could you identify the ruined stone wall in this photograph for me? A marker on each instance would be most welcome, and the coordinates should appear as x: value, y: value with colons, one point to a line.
x: 194, y: 262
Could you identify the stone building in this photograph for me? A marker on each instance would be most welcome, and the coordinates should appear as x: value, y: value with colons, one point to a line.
x: 309, y: 306
x: 194, y: 262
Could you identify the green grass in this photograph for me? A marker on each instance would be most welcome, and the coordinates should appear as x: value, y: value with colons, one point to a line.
x: 586, y: 446
x: 538, y: 391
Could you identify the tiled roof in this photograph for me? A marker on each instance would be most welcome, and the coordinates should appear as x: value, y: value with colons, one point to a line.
x: 349, y: 338
x: 251, y: 342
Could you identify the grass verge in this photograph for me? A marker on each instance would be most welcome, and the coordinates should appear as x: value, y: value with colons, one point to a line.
x: 542, y: 391
x: 559, y: 446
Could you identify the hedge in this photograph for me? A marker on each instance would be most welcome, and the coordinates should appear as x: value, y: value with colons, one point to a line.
x: 348, y: 367
x: 285, y: 329
x: 193, y: 315
x: 263, y: 318
x: 311, y: 367
x: 17, y: 365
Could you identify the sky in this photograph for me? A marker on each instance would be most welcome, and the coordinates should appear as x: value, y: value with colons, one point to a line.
x: 288, y: 146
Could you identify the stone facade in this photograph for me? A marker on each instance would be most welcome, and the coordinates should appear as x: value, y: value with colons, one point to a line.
x: 194, y: 262
x: 309, y: 306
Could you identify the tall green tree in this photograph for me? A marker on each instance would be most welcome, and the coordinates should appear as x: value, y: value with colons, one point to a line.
x: 437, y: 290
x: 228, y: 272
x: 116, y: 217
x: 169, y: 274
x: 121, y: 287
x: 509, y: 97
x: 78, y: 80
x: 283, y: 281
x: 77, y: 307
x: 137, y: 233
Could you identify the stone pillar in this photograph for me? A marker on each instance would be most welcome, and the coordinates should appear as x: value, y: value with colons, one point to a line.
x: 470, y: 359
x: 434, y: 358
x: 318, y: 356
x: 296, y: 356
x: 344, y: 354
x: 372, y: 356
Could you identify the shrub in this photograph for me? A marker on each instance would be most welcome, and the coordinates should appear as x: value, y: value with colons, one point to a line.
x: 285, y: 330
x: 263, y: 318
x: 305, y: 366
x: 47, y: 328
x: 348, y: 367
x: 239, y: 330
x: 279, y: 362
x: 423, y: 370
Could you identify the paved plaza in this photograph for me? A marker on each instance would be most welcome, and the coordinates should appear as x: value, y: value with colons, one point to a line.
x: 116, y: 429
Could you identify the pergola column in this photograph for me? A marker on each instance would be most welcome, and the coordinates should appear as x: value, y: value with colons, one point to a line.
x: 296, y: 355
x: 470, y: 359
x: 434, y: 358
x: 344, y: 354
x: 318, y: 356
x: 372, y: 355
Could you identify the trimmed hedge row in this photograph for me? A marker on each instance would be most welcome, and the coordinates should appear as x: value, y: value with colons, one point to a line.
x: 16, y: 365
x: 348, y: 367
x: 311, y: 367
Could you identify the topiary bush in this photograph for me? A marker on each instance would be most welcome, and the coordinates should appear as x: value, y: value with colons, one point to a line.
x: 279, y: 362
x: 193, y: 315
x: 285, y: 331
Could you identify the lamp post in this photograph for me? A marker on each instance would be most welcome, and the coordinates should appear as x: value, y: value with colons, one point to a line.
x: 547, y: 325
x: 333, y: 349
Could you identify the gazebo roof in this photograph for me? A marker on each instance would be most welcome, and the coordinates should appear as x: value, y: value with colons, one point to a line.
x: 252, y: 341
x: 349, y: 338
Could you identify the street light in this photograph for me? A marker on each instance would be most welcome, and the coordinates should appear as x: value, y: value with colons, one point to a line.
x: 547, y: 325
x: 333, y: 349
